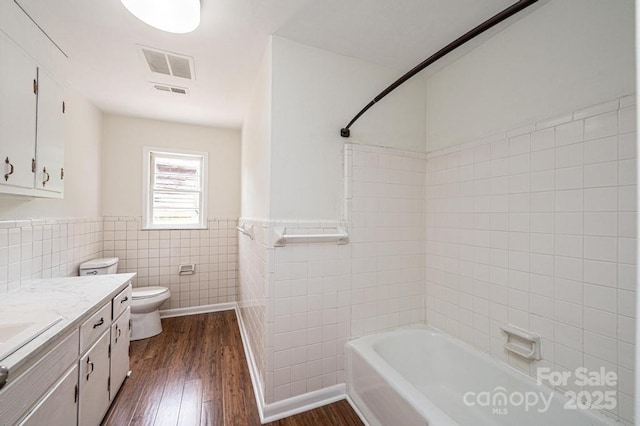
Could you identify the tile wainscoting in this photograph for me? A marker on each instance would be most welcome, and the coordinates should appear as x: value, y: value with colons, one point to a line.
x: 311, y: 298
x: 156, y: 254
x: 46, y: 248
x: 252, y: 296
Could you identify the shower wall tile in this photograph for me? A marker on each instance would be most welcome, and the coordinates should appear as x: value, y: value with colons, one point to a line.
x: 46, y: 248
x: 388, y: 237
x: 552, y: 250
x: 155, y: 256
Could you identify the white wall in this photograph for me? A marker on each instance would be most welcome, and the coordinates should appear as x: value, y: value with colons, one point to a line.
x: 123, y: 140
x: 315, y: 93
x: 82, y: 167
x: 567, y: 55
x: 256, y: 146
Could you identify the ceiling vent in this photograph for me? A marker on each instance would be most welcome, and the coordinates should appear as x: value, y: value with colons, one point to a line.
x: 170, y: 89
x: 168, y: 63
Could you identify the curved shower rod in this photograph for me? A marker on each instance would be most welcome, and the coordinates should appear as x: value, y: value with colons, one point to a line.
x: 489, y: 23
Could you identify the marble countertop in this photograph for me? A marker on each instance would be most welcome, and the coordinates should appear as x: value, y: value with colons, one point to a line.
x: 72, y: 298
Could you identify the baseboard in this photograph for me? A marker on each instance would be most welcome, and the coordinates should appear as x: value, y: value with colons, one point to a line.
x: 180, y: 312
x: 253, y: 368
x: 288, y: 407
x: 301, y: 403
x: 357, y: 410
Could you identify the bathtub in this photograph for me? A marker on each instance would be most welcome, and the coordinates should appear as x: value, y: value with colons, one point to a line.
x: 420, y: 376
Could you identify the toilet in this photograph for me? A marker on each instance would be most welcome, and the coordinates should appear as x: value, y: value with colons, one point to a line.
x: 145, y: 301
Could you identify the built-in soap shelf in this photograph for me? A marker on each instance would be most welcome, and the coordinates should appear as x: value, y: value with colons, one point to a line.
x: 281, y: 238
x: 522, y: 342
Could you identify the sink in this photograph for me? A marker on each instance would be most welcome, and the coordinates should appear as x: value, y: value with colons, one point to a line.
x: 9, y: 331
x: 16, y: 330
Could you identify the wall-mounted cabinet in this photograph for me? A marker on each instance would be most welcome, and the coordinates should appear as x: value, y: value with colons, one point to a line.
x: 18, y: 105
x: 32, y: 112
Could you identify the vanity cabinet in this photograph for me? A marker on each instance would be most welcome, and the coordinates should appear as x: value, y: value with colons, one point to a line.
x: 120, y: 336
x: 32, y: 110
x: 105, y: 365
x: 60, y: 405
x: 94, y: 382
x: 75, y: 380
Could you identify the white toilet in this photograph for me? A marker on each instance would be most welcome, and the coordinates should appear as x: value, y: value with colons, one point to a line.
x: 145, y: 301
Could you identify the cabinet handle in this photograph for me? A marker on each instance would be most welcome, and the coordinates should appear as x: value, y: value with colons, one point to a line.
x: 35, y: 87
x: 125, y: 299
x: 44, y: 182
x: 6, y: 176
x: 89, y: 363
x: 99, y: 323
x: 61, y: 173
x: 118, y: 333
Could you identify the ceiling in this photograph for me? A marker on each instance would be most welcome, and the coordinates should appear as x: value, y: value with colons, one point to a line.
x: 100, y: 39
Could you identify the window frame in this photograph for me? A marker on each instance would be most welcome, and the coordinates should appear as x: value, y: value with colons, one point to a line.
x: 148, y: 174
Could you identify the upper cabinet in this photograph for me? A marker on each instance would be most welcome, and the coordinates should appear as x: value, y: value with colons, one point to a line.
x: 32, y: 109
x: 49, y: 173
x: 18, y: 102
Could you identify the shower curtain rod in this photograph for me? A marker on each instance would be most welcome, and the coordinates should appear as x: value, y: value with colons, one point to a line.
x: 489, y: 23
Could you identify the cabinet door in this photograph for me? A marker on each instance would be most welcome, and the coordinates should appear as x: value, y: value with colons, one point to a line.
x: 18, y: 74
x: 119, y: 351
x: 94, y: 383
x: 50, y: 138
x: 60, y: 406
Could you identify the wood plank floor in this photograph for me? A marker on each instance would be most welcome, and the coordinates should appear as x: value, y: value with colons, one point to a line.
x: 195, y: 373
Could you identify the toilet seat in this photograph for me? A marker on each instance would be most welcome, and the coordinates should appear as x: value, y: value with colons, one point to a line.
x: 148, y: 292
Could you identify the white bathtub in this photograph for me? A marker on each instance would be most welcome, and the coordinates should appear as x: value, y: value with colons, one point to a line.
x: 419, y: 376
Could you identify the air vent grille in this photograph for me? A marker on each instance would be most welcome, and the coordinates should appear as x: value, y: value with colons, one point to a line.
x: 170, y: 89
x: 179, y: 66
x: 167, y: 63
x: 157, y: 62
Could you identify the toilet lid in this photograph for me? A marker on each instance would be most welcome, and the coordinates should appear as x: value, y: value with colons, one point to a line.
x: 146, y: 292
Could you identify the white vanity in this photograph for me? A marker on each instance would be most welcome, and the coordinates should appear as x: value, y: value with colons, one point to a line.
x: 67, y: 341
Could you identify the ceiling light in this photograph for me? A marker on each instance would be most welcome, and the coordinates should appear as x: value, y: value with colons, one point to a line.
x: 174, y: 16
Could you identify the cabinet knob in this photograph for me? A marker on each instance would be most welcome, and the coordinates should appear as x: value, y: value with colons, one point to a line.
x: 10, y: 172
x: 4, y: 375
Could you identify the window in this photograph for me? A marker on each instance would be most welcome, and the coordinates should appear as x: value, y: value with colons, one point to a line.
x: 174, y: 187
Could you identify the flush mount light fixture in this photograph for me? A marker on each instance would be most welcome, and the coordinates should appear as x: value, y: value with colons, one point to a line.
x: 174, y: 16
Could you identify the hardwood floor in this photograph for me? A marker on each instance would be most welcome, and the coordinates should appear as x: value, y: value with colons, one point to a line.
x: 195, y: 373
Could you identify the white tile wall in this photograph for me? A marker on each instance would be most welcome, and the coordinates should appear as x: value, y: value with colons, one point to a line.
x: 252, y: 296
x: 538, y: 230
x: 312, y: 297
x: 155, y: 257
x: 45, y: 248
x: 308, y: 312
x: 387, y: 222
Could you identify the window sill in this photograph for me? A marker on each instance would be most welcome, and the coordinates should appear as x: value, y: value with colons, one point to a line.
x: 174, y: 228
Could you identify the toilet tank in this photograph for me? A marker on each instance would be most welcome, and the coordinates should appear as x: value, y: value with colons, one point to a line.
x: 108, y: 265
